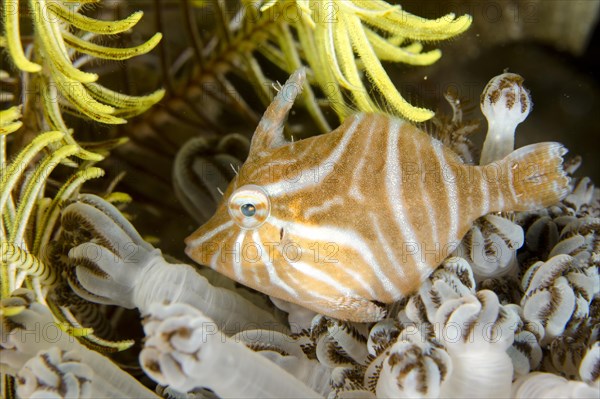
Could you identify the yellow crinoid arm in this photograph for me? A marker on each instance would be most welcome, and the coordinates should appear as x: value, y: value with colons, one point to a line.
x: 411, y: 54
x: 352, y: 37
x: 10, y: 18
x: 9, y: 120
x: 60, y: 33
x: 108, y: 53
x: 93, y: 25
x: 380, y: 78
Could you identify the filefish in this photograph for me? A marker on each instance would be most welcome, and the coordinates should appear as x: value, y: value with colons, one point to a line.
x: 345, y: 222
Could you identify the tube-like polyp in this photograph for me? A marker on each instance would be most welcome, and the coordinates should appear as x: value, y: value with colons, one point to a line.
x: 49, y: 363
x: 127, y: 271
x: 505, y: 103
x: 55, y: 373
x: 184, y: 349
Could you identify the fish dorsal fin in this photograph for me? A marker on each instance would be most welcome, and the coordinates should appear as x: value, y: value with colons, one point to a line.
x: 269, y: 133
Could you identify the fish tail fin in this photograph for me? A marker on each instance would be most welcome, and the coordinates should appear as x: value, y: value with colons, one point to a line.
x: 537, y: 178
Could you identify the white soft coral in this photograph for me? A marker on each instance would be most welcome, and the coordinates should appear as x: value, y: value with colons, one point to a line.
x: 185, y: 349
x: 118, y: 267
x: 505, y: 103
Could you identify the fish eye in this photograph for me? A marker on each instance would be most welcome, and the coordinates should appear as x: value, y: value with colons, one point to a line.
x: 248, y: 210
x: 249, y: 206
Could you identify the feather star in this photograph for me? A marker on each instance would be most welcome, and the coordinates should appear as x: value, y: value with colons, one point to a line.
x: 376, y: 31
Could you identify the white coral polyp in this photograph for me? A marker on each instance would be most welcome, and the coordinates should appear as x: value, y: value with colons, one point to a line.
x: 525, y: 360
x: 580, y: 239
x: 526, y: 352
x: 477, y: 331
x: 589, y: 370
x: 299, y: 317
x: 286, y: 352
x: 490, y: 246
x: 51, y: 363
x: 55, y: 374
x: 505, y: 103
x: 135, y: 274
x: 174, y: 337
x: 185, y: 350
x: 547, y: 385
x: 339, y: 338
x: 557, y: 291
x: 413, y: 368
x: 452, y: 280
x: 479, y: 375
x: 582, y: 195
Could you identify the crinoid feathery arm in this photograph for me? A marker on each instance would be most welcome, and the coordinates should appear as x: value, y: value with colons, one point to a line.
x: 118, y: 267
x: 345, y: 40
x: 64, y: 40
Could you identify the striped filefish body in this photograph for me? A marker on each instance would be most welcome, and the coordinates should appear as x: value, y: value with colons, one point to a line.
x: 335, y: 222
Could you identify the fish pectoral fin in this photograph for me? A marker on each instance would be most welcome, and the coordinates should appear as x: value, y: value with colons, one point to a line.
x: 355, y: 308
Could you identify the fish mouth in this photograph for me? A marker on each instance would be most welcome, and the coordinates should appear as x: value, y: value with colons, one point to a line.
x: 189, y: 241
x: 194, y: 253
x: 191, y: 246
x: 189, y: 249
x: 198, y: 247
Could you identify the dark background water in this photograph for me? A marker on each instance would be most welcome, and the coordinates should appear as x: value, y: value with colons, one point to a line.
x: 553, y: 44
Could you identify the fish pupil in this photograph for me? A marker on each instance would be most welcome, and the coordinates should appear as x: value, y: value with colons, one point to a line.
x: 248, y: 210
